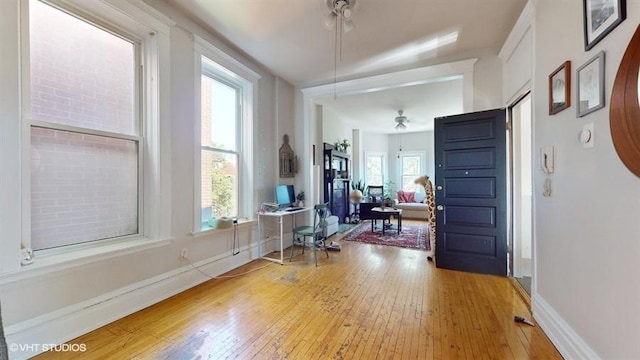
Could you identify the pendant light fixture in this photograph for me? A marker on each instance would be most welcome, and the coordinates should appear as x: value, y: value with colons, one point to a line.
x: 338, y: 15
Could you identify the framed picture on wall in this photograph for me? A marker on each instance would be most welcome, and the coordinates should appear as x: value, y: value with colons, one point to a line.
x: 600, y: 17
x: 590, y: 85
x: 560, y: 88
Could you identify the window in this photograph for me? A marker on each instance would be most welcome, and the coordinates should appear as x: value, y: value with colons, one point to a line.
x: 375, y: 169
x: 85, y: 130
x: 411, y: 167
x: 226, y: 104
x: 220, y: 125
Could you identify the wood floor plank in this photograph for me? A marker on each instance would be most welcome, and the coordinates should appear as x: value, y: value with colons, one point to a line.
x: 364, y: 302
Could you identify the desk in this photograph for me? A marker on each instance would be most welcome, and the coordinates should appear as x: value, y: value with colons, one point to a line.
x: 386, y: 213
x: 280, y: 215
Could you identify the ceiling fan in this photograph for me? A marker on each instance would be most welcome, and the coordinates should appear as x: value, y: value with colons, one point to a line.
x: 339, y: 9
x: 401, y: 121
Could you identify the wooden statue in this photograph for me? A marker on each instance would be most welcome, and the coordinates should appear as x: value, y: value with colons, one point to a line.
x: 288, y: 160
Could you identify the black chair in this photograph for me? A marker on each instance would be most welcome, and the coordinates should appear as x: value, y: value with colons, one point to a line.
x: 315, y: 232
x: 375, y: 193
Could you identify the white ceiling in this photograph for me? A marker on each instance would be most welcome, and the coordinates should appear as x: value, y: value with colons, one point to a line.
x: 376, y: 111
x: 288, y: 38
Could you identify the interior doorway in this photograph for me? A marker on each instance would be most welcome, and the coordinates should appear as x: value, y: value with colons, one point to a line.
x: 521, y: 238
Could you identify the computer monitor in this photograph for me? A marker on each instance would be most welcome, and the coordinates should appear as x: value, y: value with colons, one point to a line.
x: 285, y: 195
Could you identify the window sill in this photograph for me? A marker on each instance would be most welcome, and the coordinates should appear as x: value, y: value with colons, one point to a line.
x: 49, y: 264
x: 242, y: 223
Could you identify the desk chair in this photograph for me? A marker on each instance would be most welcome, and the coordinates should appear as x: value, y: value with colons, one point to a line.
x: 315, y: 232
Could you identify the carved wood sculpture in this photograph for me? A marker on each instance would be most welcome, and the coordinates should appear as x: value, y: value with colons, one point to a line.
x: 288, y: 160
x: 624, y: 114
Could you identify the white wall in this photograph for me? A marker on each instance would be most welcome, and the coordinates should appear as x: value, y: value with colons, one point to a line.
x: 587, y: 232
x: 487, y: 83
x: 375, y: 142
x: 417, y: 141
x: 335, y: 129
x: 372, y: 142
x: 285, y: 124
x: 54, y: 301
x: 518, y: 67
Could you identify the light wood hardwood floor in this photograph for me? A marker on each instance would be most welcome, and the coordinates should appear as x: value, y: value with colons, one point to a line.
x: 365, y: 302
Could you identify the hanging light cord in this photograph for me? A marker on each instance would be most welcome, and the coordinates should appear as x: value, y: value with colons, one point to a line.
x: 335, y: 60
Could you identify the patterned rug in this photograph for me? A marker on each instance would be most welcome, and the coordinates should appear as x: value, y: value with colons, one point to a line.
x: 411, y: 236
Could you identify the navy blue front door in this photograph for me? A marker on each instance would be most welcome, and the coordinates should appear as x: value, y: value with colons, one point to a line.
x: 471, y: 192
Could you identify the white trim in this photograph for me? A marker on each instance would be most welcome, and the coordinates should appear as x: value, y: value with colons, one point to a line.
x: 80, y: 130
x: 10, y: 138
x: 246, y: 80
x: 235, y: 67
x: 122, y: 12
x: 520, y: 93
x: 566, y: 340
x: 418, y: 76
x: 72, y: 321
x: 242, y: 223
x: 64, y: 262
x: 518, y: 31
x: 24, y: 134
x: 197, y: 152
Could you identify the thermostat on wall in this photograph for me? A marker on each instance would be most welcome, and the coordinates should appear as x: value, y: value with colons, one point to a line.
x: 586, y: 136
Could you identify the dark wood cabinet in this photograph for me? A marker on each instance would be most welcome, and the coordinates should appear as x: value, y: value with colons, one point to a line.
x: 336, y: 181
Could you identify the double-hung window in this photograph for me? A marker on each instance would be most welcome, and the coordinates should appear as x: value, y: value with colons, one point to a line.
x: 83, y: 108
x: 224, y: 156
x: 220, y: 125
x: 412, y: 165
x: 375, y: 168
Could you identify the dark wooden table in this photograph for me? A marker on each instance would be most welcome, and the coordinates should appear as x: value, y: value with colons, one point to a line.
x: 385, y: 214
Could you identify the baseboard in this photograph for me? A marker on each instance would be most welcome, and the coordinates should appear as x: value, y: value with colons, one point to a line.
x: 566, y: 340
x: 58, y: 327
x: 521, y: 291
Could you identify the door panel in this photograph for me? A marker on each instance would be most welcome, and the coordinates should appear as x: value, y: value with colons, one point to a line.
x: 470, y: 188
x: 470, y: 159
x: 471, y: 223
x: 470, y: 216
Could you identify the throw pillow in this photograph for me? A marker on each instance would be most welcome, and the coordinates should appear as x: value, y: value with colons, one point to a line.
x: 406, y: 196
x: 419, y: 197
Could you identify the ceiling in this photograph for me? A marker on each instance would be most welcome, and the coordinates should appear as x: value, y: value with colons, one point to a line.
x: 375, y: 111
x: 289, y: 39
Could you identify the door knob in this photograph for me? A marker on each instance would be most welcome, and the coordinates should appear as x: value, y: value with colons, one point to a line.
x: 440, y: 207
x: 439, y: 187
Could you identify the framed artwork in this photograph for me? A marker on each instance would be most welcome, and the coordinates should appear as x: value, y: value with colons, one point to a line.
x: 560, y: 88
x: 600, y: 17
x: 590, y: 85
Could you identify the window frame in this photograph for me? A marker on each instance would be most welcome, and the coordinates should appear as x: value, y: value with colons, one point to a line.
x: 211, y: 73
x: 235, y: 74
x: 149, y: 36
x: 422, y: 155
x: 384, y: 166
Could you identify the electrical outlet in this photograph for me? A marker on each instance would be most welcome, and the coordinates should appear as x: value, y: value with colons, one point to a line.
x: 184, y: 253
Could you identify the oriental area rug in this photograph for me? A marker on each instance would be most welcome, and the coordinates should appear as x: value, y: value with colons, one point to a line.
x: 411, y: 236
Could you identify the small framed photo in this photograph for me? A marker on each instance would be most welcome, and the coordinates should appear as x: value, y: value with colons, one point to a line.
x: 590, y: 85
x: 600, y: 17
x: 560, y: 88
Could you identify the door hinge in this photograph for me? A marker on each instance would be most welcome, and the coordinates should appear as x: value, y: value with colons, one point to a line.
x: 509, y: 124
